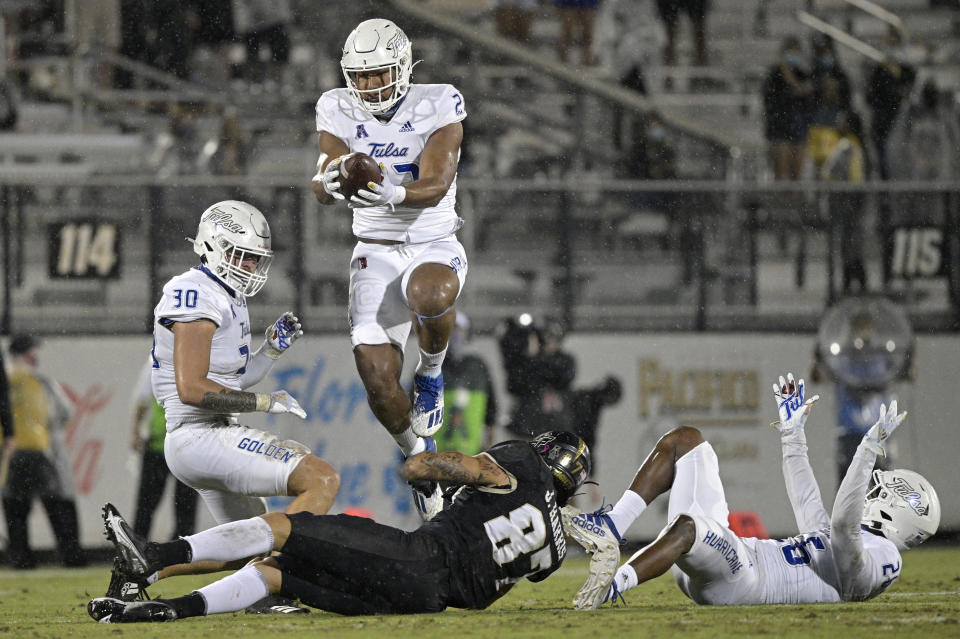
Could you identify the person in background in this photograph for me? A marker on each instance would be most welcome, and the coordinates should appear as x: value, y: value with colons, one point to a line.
x: 786, y: 100
x: 844, y: 162
x: 153, y: 466
x: 539, y: 375
x: 38, y: 464
x: 514, y: 18
x: 469, y: 396
x: 6, y: 423
x: 576, y: 27
x: 889, y: 84
x: 588, y: 403
x: 669, y: 11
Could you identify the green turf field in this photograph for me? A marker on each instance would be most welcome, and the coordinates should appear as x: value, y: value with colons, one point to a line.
x: 925, y: 603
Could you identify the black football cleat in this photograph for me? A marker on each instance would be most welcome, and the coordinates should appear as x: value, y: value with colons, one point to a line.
x: 276, y: 605
x: 125, y: 586
x: 109, y: 610
x: 131, y: 548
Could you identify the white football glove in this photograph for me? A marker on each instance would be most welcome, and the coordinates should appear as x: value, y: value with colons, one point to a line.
x: 879, y: 432
x: 793, y: 408
x: 279, y: 402
x: 385, y: 194
x: 330, y: 178
x: 281, y: 335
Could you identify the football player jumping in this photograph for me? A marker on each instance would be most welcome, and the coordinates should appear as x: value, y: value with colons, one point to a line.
x: 852, y: 554
x: 408, y: 266
x: 202, y: 362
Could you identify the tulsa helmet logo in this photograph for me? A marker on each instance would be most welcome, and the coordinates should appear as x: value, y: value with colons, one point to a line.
x: 906, y: 492
x: 224, y: 219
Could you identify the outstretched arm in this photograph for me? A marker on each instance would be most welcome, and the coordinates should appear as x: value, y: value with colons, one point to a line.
x: 802, y: 488
x: 455, y: 468
x: 855, y: 567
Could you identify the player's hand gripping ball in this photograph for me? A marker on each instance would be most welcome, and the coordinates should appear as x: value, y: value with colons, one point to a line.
x: 356, y: 170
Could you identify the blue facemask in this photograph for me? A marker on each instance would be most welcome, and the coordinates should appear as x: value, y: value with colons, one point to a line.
x: 794, y: 60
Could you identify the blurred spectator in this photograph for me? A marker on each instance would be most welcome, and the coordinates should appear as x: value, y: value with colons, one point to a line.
x: 174, y: 38
x: 864, y: 344
x: 844, y: 162
x: 577, y: 18
x: 470, y: 402
x: 230, y: 156
x: 831, y: 97
x: 656, y: 158
x: 137, y: 30
x: 823, y: 135
x: 264, y: 22
x: 539, y: 374
x: 588, y: 404
x: 826, y: 66
x: 786, y: 100
x: 178, y: 150
x: 97, y: 24
x: 930, y: 140
x: 889, y: 84
x: 6, y: 423
x: 38, y: 464
x: 153, y: 466
x: 669, y: 11
x: 628, y: 43
x: 514, y: 18
x: 211, y: 23
x: 9, y: 104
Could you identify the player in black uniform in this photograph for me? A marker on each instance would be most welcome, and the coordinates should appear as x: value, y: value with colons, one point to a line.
x: 502, y: 526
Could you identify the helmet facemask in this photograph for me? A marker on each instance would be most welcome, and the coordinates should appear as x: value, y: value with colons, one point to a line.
x: 230, y: 234
x: 234, y: 275
x: 568, y: 458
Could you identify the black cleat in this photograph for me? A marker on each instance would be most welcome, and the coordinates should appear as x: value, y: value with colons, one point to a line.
x: 109, y: 610
x: 125, y: 586
x: 276, y: 605
x: 131, y: 548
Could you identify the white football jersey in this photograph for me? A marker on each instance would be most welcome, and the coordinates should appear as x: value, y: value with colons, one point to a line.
x: 838, y: 562
x: 397, y: 146
x: 803, y: 569
x: 188, y: 297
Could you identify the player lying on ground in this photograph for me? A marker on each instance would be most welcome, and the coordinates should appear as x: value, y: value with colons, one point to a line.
x: 852, y: 555
x: 503, y: 525
x: 203, y: 362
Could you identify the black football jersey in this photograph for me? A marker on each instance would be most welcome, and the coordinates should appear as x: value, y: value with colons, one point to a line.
x: 494, y: 537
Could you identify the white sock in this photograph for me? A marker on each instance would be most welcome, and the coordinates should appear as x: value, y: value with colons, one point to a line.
x: 154, y: 578
x: 430, y: 363
x: 626, y: 511
x: 626, y: 578
x: 236, y: 592
x: 233, y: 540
x: 409, y: 443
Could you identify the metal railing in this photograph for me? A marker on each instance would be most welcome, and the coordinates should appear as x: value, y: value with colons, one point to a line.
x: 89, y: 254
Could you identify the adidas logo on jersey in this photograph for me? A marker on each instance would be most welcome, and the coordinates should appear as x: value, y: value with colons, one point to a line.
x: 407, y: 128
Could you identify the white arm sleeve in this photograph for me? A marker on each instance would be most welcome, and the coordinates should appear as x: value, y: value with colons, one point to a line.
x: 257, y: 368
x: 802, y: 488
x: 854, y: 566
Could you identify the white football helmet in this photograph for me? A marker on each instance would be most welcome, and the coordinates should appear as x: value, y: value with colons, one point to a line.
x: 229, y: 233
x: 903, y: 507
x: 377, y: 45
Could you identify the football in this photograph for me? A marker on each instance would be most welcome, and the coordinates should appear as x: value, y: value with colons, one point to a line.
x: 355, y: 171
